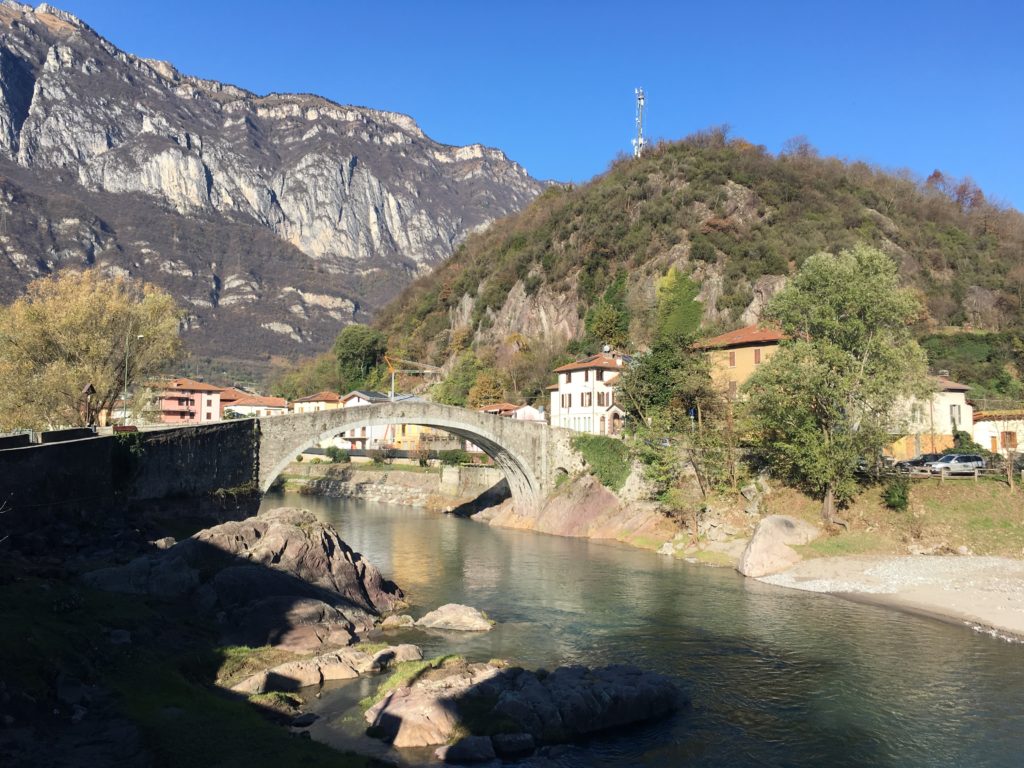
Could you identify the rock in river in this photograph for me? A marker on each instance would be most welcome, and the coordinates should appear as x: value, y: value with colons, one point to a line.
x: 458, y: 617
x: 489, y: 699
x: 769, y: 550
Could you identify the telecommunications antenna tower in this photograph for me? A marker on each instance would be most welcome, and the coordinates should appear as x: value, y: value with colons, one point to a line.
x: 639, y: 142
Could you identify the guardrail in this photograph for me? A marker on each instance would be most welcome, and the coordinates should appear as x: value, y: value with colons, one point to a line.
x: 974, y: 474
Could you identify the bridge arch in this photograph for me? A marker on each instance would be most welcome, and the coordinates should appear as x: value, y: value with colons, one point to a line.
x: 519, y: 448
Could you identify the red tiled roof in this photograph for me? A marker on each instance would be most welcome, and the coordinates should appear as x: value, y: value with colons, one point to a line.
x: 751, y: 334
x: 551, y: 386
x: 229, y: 395
x: 1017, y: 415
x: 948, y: 385
x: 612, y: 381
x: 320, y: 397
x: 191, y: 385
x: 499, y: 408
x: 601, y: 360
x: 260, y: 401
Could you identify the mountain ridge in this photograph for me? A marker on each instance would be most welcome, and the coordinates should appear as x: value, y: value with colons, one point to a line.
x: 177, y: 180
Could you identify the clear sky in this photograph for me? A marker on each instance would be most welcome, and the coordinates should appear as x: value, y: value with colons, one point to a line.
x: 902, y: 84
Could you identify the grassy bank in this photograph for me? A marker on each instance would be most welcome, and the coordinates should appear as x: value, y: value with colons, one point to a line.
x: 986, y: 517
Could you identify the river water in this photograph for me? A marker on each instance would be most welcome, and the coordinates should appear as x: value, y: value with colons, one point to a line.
x: 776, y: 677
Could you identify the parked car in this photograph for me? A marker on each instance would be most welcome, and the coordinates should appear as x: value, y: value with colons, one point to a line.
x: 957, y: 464
x: 918, y: 463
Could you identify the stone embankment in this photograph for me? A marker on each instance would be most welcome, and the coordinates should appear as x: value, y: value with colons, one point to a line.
x: 443, y: 488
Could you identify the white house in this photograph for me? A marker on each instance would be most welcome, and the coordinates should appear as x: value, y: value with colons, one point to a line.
x: 584, y: 397
x: 1001, y: 432
x: 929, y: 426
x: 258, y: 406
x: 321, y: 401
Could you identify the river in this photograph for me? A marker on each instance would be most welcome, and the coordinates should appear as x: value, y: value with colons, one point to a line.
x: 777, y: 677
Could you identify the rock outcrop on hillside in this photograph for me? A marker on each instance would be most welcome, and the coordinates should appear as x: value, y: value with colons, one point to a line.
x: 274, y: 219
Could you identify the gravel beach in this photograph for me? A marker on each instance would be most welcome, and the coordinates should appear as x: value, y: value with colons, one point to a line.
x: 986, y: 593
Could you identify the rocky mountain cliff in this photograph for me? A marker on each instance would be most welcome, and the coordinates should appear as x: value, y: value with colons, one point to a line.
x: 274, y: 219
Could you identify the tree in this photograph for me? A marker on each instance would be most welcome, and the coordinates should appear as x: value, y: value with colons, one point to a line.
x: 486, y: 390
x: 359, y: 350
x: 75, y: 342
x: 829, y: 398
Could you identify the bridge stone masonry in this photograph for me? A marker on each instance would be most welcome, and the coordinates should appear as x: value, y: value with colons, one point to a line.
x: 531, y: 454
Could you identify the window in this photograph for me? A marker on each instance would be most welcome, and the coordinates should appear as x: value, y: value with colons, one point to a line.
x: 603, y: 432
x: 1009, y: 440
x: 208, y: 416
x: 732, y: 358
x: 209, y: 402
x: 568, y: 378
x: 602, y: 399
x: 757, y: 357
x: 567, y: 401
x: 403, y: 430
x: 586, y: 375
x: 954, y: 414
x: 599, y: 375
x: 588, y: 400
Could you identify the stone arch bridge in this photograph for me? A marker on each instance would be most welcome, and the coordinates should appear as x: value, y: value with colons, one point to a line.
x: 531, y: 454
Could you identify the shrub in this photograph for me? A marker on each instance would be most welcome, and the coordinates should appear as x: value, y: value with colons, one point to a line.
x: 337, y: 455
x: 896, y: 494
x: 607, y: 457
x: 454, y: 458
x: 383, y: 455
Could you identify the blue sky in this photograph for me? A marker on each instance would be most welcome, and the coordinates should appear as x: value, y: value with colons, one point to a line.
x: 918, y: 85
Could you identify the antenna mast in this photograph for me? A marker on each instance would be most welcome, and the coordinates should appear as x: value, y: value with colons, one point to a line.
x: 639, y: 142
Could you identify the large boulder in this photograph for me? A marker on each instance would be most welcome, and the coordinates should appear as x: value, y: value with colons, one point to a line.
x: 770, y: 548
x: 489, y: 699
x: 281, y: 578
x: 457, y: 617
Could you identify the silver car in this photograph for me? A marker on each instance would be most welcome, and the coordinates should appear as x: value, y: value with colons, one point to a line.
x: 957, y: 464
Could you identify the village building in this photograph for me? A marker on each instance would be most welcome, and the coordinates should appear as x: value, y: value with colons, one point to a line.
x: 931, y: 426
x: 257, y: 406
x: 583, y: 400
x: 184, y: 401
x: 735, y: 356
x: 229, y: 396
x: 1000, y: 431
x: 402, y: 437
x: 321, y: 401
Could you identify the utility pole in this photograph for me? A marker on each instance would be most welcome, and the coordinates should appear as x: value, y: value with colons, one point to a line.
x: 639, y: 142
x: 124, y: 394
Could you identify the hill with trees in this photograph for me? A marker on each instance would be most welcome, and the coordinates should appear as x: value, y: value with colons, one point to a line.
x: 725, y: 223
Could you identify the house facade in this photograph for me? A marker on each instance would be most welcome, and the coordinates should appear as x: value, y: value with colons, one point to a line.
x: 403, y: 437
x: 321, y: 401
x: 735, y: 356
x: 931, y: 425
x: 186, y: 401
x: 257, y: 406
x: 1000, y: 431
x: 583, y: 400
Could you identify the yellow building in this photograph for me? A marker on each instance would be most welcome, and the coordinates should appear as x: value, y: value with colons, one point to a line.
x: 321, y: 401
x: 736, y: 355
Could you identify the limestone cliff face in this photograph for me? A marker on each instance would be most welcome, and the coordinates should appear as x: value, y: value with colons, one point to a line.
x: 303, y: 212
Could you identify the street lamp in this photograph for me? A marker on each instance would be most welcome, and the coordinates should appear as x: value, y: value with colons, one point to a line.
x: 124, y: 394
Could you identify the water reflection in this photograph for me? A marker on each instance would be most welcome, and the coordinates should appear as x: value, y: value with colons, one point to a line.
x: 777, y: 677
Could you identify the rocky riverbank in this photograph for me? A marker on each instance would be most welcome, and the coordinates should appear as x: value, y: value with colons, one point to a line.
x: 583, y: 508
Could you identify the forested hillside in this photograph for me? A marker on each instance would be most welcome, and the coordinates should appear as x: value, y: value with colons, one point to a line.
x: 582, y: 265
